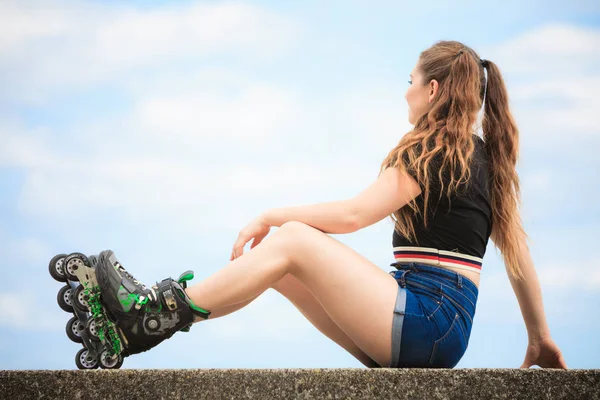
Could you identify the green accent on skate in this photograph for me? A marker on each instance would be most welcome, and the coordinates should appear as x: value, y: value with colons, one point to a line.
x: 128, y: 299
x: 107, y: 332
x: 186, y: 277
x: 141, y: 302
x: 127, y: 302
x: 195, y: 307
x: 186, y: 298
x: 125, y: 298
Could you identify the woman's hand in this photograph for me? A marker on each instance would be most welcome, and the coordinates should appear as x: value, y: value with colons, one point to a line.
x: 545, y: 353
x: 257, y: 229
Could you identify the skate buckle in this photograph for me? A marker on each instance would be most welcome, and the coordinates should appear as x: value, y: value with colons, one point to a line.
x: 186, y: 276
x: 170, y: 299
x: 140, y: 301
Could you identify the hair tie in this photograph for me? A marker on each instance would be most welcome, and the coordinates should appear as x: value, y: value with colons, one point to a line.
x: 484, y: 63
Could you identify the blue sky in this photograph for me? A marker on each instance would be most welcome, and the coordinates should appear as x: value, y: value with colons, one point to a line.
x: 159, y: 129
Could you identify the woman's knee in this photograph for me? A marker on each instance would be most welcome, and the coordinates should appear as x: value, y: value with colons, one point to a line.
x: 294, y: 228
x: 292, y: 237
x: 292, y: 225
x: 288, y: 232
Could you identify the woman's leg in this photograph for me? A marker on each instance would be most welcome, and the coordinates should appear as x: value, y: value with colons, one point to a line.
x: 358, y: 296
x: 293, y: 290
x: 226, y: 310
x: 299, y: 295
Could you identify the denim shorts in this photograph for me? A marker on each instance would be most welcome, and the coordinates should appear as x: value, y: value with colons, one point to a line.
x: 433, y: 316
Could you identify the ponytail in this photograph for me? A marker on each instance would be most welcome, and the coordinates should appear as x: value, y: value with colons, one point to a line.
x: 501, y: 138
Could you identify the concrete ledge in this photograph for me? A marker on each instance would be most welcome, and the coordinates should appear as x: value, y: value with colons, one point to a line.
x: 302, y: 383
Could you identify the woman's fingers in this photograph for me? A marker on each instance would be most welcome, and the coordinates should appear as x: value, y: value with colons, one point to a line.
x: 256, y: 230
x: 546, y: 356
x: 257, y: 240
x: 562, y: 363
x: 238, y: 247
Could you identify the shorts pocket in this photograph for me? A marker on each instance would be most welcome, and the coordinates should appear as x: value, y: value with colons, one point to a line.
x: 430, y: 299
x: 449, y: 349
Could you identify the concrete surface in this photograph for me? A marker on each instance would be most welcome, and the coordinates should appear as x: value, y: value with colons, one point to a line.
x: 302, y: 384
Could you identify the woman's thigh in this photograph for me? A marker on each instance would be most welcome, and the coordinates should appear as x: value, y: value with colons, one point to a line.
x: 356, y: 294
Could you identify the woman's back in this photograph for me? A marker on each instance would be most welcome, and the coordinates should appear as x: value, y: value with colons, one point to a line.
x: 461, y: 224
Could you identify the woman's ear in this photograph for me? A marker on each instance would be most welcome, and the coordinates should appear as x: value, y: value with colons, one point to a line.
x: 433, y: 89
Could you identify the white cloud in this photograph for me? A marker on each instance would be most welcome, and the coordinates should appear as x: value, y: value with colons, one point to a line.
x: 257, y: 113
x: 540, y: 180
x: 581, y: 275
x: 558, y: 282
x: 22, y: 147
x: 22, y: 311
x: 559, y: 106
x: 24, y: 22
x: 548, y: 50
x: 21, y: 249
x: 187, y: 196
x: 552, y: 74
x: 67, y: 44
x: 62, y: 182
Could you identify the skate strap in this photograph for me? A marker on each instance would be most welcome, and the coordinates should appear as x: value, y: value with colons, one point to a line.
x: 170, y: 289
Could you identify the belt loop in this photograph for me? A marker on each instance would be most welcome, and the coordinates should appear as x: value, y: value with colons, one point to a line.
x: 402, y: 279
x: 460, y: 283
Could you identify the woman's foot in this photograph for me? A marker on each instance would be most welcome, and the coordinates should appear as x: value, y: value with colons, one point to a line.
x: 144, y: 316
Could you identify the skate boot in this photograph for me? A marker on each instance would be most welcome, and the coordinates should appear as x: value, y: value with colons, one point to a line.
x: 144, y: 316
x: 114, y: 315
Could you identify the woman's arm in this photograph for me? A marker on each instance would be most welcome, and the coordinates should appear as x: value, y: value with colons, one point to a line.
x: 331, y: 217
x: 529, y: 295
x: 392, y: 190
x: 541, y: 349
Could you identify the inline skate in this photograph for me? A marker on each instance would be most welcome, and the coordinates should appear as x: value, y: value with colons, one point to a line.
x: 114, y: 315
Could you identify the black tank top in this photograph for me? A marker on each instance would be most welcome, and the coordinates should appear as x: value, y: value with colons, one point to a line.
x: 462, y: 224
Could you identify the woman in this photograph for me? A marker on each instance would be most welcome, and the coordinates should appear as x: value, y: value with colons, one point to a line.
x: 448, y: 191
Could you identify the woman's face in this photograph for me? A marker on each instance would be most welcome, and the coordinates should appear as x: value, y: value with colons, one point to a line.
x: 419, y: 94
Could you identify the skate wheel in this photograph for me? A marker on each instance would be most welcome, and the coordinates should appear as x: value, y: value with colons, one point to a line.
x: 72, y: 263
x: 64, y: 298
x: 56, y: 268
x: 80, y: 299
x: 74, y: 328
x: 108, y: 362
x: 91, y: 327
x: 93, y: 260
x: 84, y: 360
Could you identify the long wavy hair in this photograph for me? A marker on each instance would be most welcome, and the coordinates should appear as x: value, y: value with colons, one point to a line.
x: 446, y: 131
